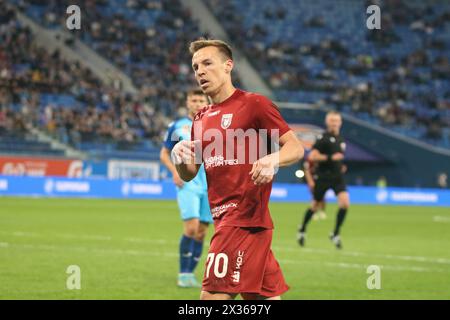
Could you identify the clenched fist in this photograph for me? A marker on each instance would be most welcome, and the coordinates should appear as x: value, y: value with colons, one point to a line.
x: 184, y: 152
x: 263, y: 170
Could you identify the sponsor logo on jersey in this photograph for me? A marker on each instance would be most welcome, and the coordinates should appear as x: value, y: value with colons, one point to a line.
x: 218, y: 211
x: 212, y: 114
x: 239, y: 261
x: 218, y: 161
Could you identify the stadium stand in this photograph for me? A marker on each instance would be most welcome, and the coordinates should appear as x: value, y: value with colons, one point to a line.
x: 321, y: 51
x: 397, y: 78
x: 43, y: 90
x: 17, y: 112
x: 134, y: 36
x: 16, y: 139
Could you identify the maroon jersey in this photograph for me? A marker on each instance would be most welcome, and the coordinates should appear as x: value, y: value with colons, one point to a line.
x: 233, y: 197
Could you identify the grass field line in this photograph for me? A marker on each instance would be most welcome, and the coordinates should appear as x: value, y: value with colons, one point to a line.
x: 276, y: 248
x: 347, y: 265
x: 441, y: 219
x: 172, y: 255
x: 142, y: 240
x: 92, y: 203
x: 81, y: 237
x: 87, y: 249
x: 365, y: 254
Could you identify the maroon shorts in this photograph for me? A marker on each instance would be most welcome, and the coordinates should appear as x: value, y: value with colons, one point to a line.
x: 240, y: 261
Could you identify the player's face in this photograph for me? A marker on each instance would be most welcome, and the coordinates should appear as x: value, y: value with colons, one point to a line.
x: 196, y: 101
x: 334, y: 123
x: 212, y: 69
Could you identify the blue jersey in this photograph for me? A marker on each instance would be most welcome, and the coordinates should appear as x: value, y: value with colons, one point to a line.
x: 181, y: 130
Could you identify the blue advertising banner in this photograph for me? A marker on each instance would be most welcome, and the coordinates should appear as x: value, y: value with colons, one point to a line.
x: 147, y: 189
x: 95, y: 168
x: 85, y: 188
x: 367, y: 195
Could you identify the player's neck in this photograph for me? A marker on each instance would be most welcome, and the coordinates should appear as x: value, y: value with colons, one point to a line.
x: 223, y: 94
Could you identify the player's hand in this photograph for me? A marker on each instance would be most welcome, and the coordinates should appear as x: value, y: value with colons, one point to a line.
x: 183, y: 152
x: 263, y: 170
x: 311, y: 186
x: 177, y: 180
x: 338, y: 156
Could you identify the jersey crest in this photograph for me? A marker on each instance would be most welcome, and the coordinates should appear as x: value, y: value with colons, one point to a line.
x: 226, y: 120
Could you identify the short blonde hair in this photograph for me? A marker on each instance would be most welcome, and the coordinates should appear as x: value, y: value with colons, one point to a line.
x: 195, y: 92
x: 333, y: 113
x: 201, y: 43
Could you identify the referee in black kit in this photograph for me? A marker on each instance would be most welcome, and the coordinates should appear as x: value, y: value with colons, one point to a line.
x: 328, y: 153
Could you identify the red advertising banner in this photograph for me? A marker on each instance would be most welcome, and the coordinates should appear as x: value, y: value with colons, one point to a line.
x: 40, y: 167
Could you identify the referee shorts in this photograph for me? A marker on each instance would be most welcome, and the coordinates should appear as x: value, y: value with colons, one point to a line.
x: 322, y: 185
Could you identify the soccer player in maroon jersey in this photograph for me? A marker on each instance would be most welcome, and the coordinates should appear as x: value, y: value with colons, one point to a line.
x: 232, y: 134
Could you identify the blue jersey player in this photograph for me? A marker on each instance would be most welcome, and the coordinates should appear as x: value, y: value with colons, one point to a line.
x: 192, y: 196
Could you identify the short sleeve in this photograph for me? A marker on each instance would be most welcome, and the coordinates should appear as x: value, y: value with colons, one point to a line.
x: 170, y: 139
x: 269, y: 117
x: 196, y: 130
x: 196, y: 134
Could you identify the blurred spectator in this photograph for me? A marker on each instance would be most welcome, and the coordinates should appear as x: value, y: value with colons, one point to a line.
x: 381, y: 182
x: 101, y: 112
x: 394, y: 77
x: 359, y: 181
x: 442, y: 180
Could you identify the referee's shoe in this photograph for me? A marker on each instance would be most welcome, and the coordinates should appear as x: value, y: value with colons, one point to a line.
x: 336, y: 239
x: 301, y: 238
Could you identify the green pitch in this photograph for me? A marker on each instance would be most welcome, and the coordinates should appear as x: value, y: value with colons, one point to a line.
x: 129, y: 250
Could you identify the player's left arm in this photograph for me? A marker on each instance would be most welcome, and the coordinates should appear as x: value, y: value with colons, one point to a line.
x: 291, y: 151
x: 339, y: 156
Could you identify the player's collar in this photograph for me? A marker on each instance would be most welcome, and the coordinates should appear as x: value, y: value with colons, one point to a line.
x: 233, y: 96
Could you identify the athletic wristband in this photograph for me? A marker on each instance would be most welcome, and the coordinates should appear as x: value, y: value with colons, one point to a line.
x: 329, y: 157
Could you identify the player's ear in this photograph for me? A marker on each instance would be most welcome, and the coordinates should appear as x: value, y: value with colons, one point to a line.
x: 229, y: 66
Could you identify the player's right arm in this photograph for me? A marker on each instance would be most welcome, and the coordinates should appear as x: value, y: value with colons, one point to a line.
x: 308, y: 176
x: 170, y: 140
x: 164, y: 156
x: 317, y: 154
x: 183, y: 157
